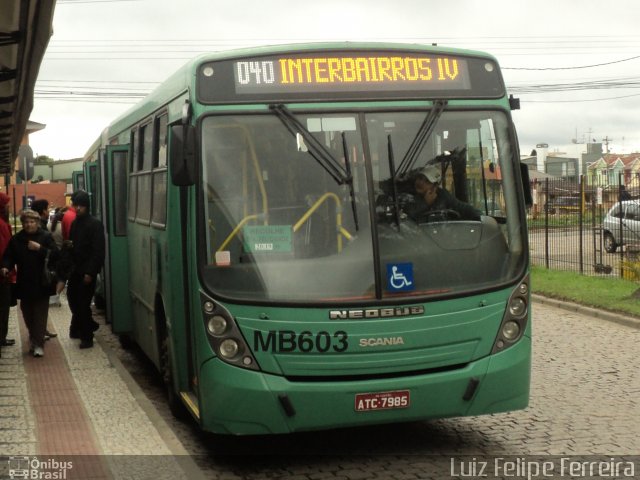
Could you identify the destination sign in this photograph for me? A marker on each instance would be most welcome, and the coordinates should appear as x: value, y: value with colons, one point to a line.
x: 348, y: 75
x: 340, y: 73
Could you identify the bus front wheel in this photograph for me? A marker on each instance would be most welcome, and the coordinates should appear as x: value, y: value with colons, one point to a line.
x: 176, y: 406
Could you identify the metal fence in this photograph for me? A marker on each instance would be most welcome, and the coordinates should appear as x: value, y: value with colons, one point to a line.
x: 569, y: 228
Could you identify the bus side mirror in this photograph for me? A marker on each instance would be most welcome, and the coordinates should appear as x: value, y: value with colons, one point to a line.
x: 182, y: 155
x: 526, y: 184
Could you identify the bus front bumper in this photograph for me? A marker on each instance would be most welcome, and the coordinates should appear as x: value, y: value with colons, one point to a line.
x: 244, y: 402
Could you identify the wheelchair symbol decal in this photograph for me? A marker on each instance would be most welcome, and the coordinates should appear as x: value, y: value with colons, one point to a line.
x: 400, y: 277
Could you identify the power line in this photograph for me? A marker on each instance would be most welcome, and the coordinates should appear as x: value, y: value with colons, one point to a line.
x: 572, y: 68
x: 71, y: 2
x: 467, y: 39
x: 527, y: 42
x: 127, y: 89
x: 581, y: 101
x: 138, y: 89
x: 183, y: 49
x: 109, y: 82
x: 141, y: 88
x: 567, y: 87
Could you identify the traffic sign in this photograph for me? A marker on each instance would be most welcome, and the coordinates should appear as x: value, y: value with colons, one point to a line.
x: 25, y: 162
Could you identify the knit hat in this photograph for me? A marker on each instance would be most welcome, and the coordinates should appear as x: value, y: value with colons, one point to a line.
x: 80, y: 199
x: 28, y: 213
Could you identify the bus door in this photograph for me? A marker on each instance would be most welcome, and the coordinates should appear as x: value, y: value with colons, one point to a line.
x: 92, y: 183
x: 118, y: 299
x: 92, y: 186
x: 77, y: 180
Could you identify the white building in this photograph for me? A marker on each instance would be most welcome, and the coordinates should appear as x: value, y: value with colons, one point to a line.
x: 568, y: 160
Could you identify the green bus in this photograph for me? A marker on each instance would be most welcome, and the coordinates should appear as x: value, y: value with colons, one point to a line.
x: 77, y: 180
x: 88, y: 179
x: 261, y: 250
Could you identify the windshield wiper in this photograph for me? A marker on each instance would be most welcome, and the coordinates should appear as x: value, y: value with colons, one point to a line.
x: 352, y: 193
x: 420, y: 140
x: 316, y: 149
x: 394, y: 187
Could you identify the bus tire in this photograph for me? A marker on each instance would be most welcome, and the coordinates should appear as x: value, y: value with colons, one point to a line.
x: 177, y: 408
x: 126, y: 342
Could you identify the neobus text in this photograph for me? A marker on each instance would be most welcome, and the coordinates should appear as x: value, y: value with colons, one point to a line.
x: 376, y: 312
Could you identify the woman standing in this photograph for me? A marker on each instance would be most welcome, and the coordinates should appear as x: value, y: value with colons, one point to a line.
x: 5, y: 282
x: 55, y: 227
x: 28, y: 250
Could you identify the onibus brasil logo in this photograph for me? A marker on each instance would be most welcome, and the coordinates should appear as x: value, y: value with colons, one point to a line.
x: 35, y: 468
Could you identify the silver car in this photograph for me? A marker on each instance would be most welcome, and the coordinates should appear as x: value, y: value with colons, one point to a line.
x: 621, y: 225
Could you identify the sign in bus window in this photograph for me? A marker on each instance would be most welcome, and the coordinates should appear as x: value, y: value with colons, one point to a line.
x: 267, y: 238
x: 332, y: 124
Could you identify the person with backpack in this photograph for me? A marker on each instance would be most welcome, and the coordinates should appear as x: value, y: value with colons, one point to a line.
x: 28, y: 250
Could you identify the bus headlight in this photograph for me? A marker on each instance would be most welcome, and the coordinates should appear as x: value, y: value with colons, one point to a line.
x: 217, y: 325
x: 515, y: 318
x: 229, y: 348
x: 517, y: 307
x: 510, y: 330
x: 223, y: 333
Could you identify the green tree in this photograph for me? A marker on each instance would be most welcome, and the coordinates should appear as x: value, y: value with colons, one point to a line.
x: 43, y: 159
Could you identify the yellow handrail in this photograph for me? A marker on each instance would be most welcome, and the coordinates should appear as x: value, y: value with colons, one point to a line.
x: 236, y: 230
x: 256, y: 167
x: 341, y: 230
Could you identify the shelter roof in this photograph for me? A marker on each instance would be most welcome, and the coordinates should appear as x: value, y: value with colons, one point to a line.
x: 25, y: 29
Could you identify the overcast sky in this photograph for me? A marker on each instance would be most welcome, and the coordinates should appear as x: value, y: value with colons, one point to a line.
x: 575, y: 65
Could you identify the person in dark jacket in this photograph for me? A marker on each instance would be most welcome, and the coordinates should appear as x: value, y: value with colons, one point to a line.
x: 88, y: 251
x: 5, y: 283
x: 435, y: 200
x: 624, y: 194
x: 41, y: 207
x: 28, y: 250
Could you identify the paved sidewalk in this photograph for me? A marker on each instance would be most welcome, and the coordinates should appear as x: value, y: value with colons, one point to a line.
x: 81, y: 406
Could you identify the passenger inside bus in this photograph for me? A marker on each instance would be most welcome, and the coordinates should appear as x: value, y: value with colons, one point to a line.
x: 434, y: 203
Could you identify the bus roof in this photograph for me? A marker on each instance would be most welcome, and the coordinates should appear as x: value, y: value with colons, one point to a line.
x: 182, y: 81
x: 326, y: 46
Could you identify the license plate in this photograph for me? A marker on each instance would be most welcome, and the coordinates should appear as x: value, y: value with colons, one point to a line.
x: 366, y: 402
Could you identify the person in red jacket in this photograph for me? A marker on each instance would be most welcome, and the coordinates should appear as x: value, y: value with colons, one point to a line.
x: 67, y: 219
x: 5, y: 283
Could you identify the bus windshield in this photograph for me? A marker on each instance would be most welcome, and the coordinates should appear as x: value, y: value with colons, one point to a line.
x: 331, y: 206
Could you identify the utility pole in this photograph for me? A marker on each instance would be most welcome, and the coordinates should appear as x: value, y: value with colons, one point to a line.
x: 589, y: 139
x: 606, y: 141
x: 25, y: 201
x: 25, y: 170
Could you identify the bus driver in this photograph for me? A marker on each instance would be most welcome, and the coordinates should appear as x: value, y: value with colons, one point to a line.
x: 431, y: 199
